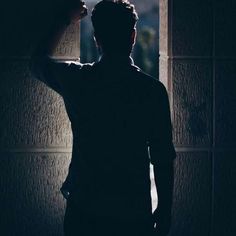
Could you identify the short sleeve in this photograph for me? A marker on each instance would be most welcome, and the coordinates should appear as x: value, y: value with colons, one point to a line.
x: 57, y: 75
x: 160, y: 128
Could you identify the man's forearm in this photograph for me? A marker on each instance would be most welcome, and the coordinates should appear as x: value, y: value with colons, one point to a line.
x: 51, y: 38
x: 40, y: 61
x: 69, y: 12
x: 42, y: 67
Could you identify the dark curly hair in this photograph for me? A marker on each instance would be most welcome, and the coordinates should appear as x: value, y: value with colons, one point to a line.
x: 114, y: 22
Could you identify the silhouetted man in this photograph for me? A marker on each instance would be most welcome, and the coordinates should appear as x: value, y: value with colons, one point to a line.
x: 120, y: 121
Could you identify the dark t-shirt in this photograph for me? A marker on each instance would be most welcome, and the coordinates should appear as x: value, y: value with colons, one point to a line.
x: 120, y: 122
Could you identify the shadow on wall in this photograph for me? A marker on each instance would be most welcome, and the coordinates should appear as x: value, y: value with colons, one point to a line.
x: 35, y: 135
x: 31, y: 203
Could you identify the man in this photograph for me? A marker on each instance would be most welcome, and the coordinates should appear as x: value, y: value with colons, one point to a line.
x: 120, y: 121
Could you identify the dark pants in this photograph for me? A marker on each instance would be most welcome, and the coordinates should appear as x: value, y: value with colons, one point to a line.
x: 79, y: 223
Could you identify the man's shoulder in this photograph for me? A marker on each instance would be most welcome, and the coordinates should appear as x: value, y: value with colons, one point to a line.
x: 79, y: 70
x: 148, y: 80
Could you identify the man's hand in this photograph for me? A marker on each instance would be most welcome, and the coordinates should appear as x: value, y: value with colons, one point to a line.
x: 162, y: 220
x: 164, y: 180
x: 76, y: 10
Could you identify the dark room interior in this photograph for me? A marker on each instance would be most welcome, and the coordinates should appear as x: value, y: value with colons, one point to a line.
x: 197, y: 65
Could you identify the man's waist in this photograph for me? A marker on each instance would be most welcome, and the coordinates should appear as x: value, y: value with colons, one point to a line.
x: 111, y: 205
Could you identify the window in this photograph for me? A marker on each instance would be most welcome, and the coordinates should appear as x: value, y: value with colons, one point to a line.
x: 145, y: 53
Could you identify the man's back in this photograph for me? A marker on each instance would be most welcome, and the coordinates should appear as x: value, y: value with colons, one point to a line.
x: 109, y: 105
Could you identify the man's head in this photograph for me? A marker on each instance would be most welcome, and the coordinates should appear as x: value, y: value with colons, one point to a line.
x: 114, y: 26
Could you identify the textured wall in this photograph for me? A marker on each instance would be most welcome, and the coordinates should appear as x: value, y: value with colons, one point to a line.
x: 197, y: 58
x: 225, y: 116
x: 35, y: 134
x: 31, y: 203
x: 197, y: 65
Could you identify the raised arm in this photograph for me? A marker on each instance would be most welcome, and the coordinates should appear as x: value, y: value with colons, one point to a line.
x: 162, y: 154
x: 43, y: 66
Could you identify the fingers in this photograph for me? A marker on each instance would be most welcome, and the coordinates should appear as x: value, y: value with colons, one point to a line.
x: 80, y: 3
x: 77, y: 11
x: 84, y: 12
x: 83, y: 8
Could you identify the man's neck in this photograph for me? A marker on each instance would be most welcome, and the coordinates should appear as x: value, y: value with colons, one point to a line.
x: 117, y: 58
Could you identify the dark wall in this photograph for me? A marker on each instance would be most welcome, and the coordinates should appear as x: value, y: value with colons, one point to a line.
x: 35, y: 135
x: 197, y: 64
x: 197, y: 45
